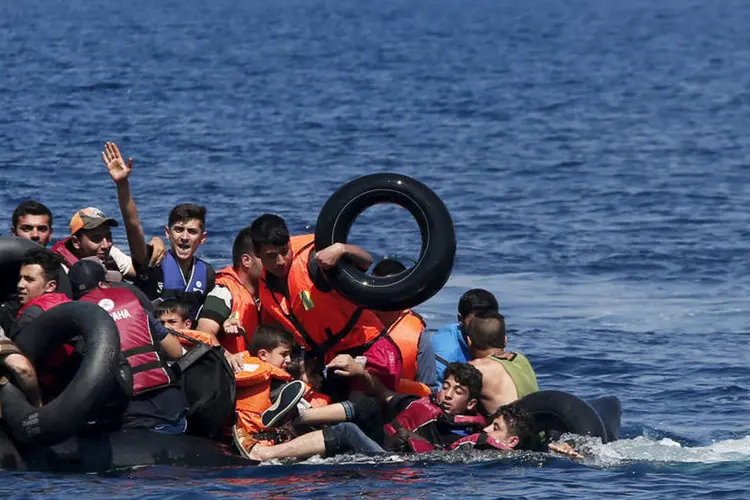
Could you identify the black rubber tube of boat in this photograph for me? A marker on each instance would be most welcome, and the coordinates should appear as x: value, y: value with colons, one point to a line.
x: 12, y: 252
x: 560, y: 412
x: 96, y: 381
x: 435, y: 262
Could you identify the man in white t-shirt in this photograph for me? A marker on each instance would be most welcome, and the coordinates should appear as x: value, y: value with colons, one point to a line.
x: 91, y: 236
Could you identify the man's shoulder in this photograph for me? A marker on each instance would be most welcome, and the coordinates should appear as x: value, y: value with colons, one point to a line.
x: 448, y: 331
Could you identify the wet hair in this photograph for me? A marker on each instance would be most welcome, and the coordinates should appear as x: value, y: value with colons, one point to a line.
x: 519, y: 423
x: 269, y: 337
x: 269, y: 229
x: 466, y: 375
x: 49, y: 262
x: 388, y: 267
x: 475, y: 301
x: 29, y: 207
x: 173, y: 306
x: 185, y: 212
x: 243, y: 244
x: 487, y: 331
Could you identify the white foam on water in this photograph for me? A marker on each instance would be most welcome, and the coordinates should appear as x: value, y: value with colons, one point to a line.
x: 665, y: 450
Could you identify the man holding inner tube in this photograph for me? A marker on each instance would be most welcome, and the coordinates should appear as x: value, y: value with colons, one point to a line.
x: 295, y: 294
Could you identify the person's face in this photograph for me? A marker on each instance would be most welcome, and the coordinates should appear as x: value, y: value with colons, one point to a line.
x: 454, y: 398
x: 498, y: 430
x: 276, y: 259
x: 253, y: 265
x: 185, y: 237
x: 95, y: 242
x: 174, y: 321
x: 35, y: 228
x: 280, y: 356
x: 32, y: 283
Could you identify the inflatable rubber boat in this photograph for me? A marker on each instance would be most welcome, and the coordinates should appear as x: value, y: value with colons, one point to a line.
x: 56, y: 437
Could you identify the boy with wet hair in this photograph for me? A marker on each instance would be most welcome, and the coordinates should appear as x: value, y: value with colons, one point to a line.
x: 508, y: 376
x: 174, y: 314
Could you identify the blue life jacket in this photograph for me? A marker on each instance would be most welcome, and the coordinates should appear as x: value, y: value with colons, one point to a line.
x: 450, y: 346
x: 192, y: 290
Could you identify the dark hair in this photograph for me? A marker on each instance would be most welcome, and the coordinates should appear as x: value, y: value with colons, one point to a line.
x: 299, y: 357
x: 185, y: 212
x: 487, y: 331
x: 519, y: 423
x: 466, y: 375
x: 243, y: 244
x: 388, y: 267
x: 477, y: 300
x: 29, y: 207
x: 50, y: 263
x: 173, y: 306
x: 269, y: 229
x: 269, y: 337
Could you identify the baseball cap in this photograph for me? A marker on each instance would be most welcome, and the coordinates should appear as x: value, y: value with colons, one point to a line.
x: 86, y: 274
x: 89, y: 218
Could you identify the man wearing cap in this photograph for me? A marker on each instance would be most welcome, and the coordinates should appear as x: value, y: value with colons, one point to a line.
x: 91, y: 236
x: 157, y: 402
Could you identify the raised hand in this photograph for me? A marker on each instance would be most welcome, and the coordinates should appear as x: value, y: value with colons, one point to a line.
x: 118, y: 169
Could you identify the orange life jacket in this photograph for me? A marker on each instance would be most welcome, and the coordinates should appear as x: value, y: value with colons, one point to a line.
x: 322, y: 321
x: 254, y: 391
x: 405, y: 332
x: 244, y: 307
x: 196, y: 335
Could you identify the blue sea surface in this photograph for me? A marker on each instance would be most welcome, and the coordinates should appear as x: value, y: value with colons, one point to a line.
x: 593, y: 155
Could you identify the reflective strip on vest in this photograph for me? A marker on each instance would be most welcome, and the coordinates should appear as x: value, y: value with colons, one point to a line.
x: 137, y: 344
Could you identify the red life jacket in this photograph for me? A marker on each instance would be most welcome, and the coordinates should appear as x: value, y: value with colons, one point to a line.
x: 45, y: 302
x: 49, y: 376
x: 150, y: 372
x: 480, y: 440
x: 415, y: 427
x: 61, y: 248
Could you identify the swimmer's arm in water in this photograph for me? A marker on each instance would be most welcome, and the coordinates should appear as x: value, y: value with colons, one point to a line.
x: 330, y: 256
x: 347, y: 366
x: 120, y: 171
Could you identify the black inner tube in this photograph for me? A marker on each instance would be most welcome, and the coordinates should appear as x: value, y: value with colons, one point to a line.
x: 12, y: 253
x: 93, y: 386
x: 434, y: 264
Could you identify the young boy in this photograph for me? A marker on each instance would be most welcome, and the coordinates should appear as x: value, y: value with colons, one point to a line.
x: 174, y: 314
x: 263, y: 370
x: 182, y: 274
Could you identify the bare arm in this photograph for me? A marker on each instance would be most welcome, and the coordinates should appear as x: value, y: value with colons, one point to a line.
x: 171, y: 347
x: 210, y: 327
x: 346, y: 366
x: 330, y: 256
x: 25, y: 376
x: 120, y: 171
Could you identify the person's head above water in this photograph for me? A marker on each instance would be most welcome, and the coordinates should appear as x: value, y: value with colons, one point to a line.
x: 186, y: 230
x: 40, y: 274
x: 462, y: 386
x: 475, y: 301
x: 33, y: 221
x: 91, y: 233
x: 511, y: 425
x: 271, y: 243
x: 486, y: 333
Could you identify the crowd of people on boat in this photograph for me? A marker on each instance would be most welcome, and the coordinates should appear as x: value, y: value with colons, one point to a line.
x: 315, y: 373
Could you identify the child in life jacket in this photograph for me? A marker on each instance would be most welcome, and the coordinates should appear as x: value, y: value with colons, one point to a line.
x: 264, y: 383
